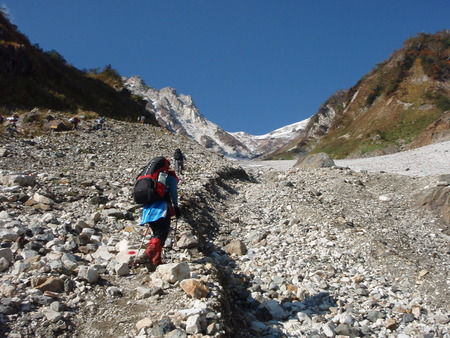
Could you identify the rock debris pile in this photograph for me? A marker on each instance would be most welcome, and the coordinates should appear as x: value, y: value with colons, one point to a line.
x: 69, y: 231
x: 315, y: 253
x: 331, y: 252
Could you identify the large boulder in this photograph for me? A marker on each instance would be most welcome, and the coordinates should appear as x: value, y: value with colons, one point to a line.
x: 437, y: 199
x: 320, y: 160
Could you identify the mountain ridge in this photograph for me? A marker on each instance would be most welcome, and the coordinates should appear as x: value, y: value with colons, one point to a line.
x: 401, y: 104
x: 178, y: 113
x: 404, y: 102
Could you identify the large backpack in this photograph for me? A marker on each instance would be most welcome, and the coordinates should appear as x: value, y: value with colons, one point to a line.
x: 148, y: 189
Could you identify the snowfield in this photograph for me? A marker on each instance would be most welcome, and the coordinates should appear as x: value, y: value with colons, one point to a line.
x: 430, y: 160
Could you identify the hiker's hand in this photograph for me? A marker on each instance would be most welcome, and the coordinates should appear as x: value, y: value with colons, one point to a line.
x: 177, y: 212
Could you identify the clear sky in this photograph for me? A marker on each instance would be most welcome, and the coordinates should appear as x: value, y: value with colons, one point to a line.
x: 249, y: 65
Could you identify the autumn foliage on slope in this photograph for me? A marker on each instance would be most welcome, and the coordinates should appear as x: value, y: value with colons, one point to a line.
x: 32, y: 78
x: 390, y: 108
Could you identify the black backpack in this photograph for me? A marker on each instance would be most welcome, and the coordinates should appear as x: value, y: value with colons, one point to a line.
x: 148, y: 189
x: 178, y: 155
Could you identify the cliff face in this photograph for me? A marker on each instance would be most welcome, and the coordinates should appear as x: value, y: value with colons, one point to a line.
x: 402, y: 103
x: 318, y: 126
x: 178, y: 113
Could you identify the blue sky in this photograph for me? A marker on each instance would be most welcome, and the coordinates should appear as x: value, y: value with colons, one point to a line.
x: 249, y: 65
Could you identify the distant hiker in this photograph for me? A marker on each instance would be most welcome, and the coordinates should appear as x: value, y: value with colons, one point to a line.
x: 141, y: 119
x: 13, y: 120
x: 179, y: 159
x: 75, y: 121
x: 158, y: 212
x: 99, y: 123
x: 2, y: 119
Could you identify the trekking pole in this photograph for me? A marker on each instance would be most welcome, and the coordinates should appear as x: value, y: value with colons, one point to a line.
x: 143, y: 238
x: 175, y: 232
x: 174, y: 238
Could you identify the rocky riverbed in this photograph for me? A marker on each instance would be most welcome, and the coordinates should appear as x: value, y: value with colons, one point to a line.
x: 259, y: 252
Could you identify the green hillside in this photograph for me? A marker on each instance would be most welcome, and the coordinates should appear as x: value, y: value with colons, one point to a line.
x: 390, y: 108
x: 32, y: 78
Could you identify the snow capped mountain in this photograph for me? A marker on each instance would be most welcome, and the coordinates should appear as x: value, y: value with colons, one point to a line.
x: 179, y: 114
x: 263, y: 144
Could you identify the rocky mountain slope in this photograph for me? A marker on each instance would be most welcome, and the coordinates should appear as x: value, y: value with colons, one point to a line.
x: 402, y: 103
x: 319, y: 252
x: 317, y: 126
x: 179, y: 114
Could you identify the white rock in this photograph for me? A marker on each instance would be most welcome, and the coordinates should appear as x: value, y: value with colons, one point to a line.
x: 42, y: 199
x: 122, y: 269
x: 174, y: 272
x: 193, y: 324
x: 89, y: 274
x: 103, y: 253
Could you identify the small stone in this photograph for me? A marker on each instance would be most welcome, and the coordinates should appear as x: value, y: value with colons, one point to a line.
x: 143, y: 292
x: 89, y: 274
x: 114, y: 291
x: 103, y: 253
x: 358, y: 279
x: 162, y: 327
x: 275, y: 309
x: 122, y: 269
x: 236, y: 247
x: 51, y: 315
x: 194, y: 288
x: 7, y: 254
x: 422, y: 273
x: 187, y: 241
x: 374, y: 315
x: 114, y: 213
x: 347, y: 330
x: 3, y: 264
x: 328, y: 330
x: 193, y: 325
x: 146, y: 322
x: 52, y: 284
x: 391, y: 324
x: 408, y: 318
x: 42, y: 199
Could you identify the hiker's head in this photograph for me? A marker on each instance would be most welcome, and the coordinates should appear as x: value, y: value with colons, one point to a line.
x: 161, y: 163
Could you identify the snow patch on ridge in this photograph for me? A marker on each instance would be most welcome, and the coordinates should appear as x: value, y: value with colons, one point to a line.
x: 178, y: 113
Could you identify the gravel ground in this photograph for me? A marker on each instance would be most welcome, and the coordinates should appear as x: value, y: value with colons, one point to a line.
x: 430, y: 160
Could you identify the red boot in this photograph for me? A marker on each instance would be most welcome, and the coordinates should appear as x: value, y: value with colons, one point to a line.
x: 154, y: 251
x: 158, y: 252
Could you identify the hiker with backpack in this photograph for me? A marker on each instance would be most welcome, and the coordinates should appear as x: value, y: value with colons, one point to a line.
x: 75, y: 121
x: 13, y: 120
x: 99, y: 123
x: 179, y: 159
x: 157, y: 190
